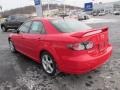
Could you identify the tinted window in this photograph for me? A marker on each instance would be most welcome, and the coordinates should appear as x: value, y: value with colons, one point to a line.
x: 68, y: 26
x: 25, y: 27
x: 11, y: 18
x: 21, y: 18
x: 37, y: 27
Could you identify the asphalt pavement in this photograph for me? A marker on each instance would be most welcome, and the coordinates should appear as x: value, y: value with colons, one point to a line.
x: 18, y: 72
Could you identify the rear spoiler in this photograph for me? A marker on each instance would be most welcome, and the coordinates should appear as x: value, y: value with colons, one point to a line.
x: 99, y: 30
x: 90, y: 32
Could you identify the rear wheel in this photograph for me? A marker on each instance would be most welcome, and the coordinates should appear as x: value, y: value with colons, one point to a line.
x: 48, y: 64
x: 4, y: 29
x: 12, y: 47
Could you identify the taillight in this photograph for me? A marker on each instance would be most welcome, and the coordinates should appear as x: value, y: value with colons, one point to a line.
x: 89, y: 45
x: 81, y: 46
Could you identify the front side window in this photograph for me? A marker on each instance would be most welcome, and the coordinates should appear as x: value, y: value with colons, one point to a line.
x: 36, y: 27
x: 25, y: 27
x: 68, y: 26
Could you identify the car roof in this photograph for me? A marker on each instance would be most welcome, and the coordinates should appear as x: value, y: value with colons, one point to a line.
x: 46, y: 18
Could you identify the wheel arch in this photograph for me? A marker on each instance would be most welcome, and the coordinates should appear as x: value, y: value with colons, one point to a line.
x: 2, y: 25
x: 55, y: 59
x: 44, y: 50
x: 51, y: 52
x: 9, y: 39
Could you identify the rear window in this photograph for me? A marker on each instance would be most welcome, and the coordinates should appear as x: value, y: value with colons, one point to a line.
x: 68, y: 26
x: 21, y: 18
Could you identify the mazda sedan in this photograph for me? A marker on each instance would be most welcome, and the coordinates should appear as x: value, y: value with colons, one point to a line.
x: 62, y: 45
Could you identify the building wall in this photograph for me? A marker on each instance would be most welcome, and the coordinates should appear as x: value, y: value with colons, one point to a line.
x: 103, y: 7
x: 117, y: 6
x: 107, y: 7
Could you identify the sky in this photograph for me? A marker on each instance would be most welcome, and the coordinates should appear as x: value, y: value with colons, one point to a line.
x: 11, y: 4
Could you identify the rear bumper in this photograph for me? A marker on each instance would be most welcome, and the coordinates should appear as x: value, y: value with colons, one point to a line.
x: 83, y: 63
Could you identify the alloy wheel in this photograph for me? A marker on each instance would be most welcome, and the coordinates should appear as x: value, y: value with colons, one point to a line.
x: 48, y: 64
x: 3, y: 29
x: 12, y: 48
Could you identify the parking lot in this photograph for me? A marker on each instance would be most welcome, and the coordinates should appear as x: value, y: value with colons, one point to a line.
x: 17, y: 72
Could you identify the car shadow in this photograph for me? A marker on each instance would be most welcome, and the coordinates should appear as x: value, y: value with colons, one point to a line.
x: 31, y: 70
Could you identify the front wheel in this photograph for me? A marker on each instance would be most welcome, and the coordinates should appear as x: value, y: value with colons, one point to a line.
x: 4, y: 29
x: 48, y: 64
x: 12, y: 47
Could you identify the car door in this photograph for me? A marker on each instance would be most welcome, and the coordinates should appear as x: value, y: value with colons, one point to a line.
x: 34, y: 40
x: 19, y: 37
x: 11, y: 21
x: 8, y: 21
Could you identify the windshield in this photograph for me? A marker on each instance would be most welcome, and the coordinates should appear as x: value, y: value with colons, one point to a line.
x: 68, y: 26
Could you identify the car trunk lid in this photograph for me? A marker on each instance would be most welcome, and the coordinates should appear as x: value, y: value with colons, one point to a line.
x: 98, y: 36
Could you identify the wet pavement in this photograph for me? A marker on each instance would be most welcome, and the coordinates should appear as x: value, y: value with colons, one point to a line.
x: 17, y: 72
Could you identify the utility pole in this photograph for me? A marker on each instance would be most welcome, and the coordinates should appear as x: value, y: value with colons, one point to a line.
x: 64, y: 7
x: 48, y: 7
x: 38, y: 6
x: 1, y: 8
x: 1, y: 11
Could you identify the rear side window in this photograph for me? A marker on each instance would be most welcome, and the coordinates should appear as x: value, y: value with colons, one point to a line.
x: 37, y: 27
x: 68, y: 26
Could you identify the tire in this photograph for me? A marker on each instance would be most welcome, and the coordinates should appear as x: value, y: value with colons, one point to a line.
x: 4, y: 29
x: 12, y: 47
x: 48, y: 64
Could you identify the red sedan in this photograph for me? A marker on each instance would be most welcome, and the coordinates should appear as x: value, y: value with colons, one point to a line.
x: 67, y: 46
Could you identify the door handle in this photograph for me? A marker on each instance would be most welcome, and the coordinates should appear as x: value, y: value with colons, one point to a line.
x: 39, y: 38
x: 22, y: 38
